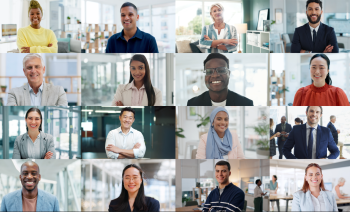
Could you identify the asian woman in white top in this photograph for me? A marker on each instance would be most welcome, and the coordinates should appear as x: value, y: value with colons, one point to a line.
x: 313, y: 196
x: 139, y: 91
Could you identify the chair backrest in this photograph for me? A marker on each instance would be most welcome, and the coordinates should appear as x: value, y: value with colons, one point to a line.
x: 341, y: 45
x: 245, y: 206
x: 191, y: 203
x: 193, y: 154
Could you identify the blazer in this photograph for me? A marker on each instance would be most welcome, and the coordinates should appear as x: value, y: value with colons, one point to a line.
x: 45, y: 201
x: 279, y: 129
x: 152, y: 205
x: 334, y: 132
x: 20, y: 149
x: 325, y: 36
x: 303, y: 201
x: 124, y: 94
x: 297, y: 140
x: 233, y: 99
x: 235, y: 153
x: 52, y: 95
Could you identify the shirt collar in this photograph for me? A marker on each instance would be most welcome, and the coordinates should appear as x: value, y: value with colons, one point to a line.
x: 36, y: 137
x: 308, y: 126
x: 121, y: 132
x: 312, y: 29
x: 138, y: 34
x: 40, y: 88
x: 131, y: 85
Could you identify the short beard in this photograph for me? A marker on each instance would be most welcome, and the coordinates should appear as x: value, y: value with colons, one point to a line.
x: 314, y: 22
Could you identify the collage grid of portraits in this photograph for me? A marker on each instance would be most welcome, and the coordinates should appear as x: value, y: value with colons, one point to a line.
x: 175, y: 105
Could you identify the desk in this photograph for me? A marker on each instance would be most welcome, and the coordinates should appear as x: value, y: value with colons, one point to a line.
x: 188, y: 208
x: 342, y: 201
x: 277, y: 199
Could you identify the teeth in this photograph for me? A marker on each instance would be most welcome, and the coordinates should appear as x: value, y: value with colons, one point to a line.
x: 215, y: 82
x: 29, y: 183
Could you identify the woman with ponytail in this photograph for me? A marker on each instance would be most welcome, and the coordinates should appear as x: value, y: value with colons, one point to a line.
x: 313, y: 196
x: 132, y: 196
x: 34, y: 144
x: 139, y: 91
x: 320, y: 92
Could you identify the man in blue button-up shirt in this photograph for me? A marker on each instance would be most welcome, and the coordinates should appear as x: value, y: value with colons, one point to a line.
x: 131, y: 39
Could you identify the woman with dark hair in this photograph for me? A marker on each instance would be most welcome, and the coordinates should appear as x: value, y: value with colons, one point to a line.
x: 272, y: 140
x: 139, y: 91
x: 298, y: 121
x: 34, y: 143
x: 320, y: 92
x: 313, y: 196
x: 258, y: 193
x: 219, y: 142
x: 273, y: 189
x: 132, y: 196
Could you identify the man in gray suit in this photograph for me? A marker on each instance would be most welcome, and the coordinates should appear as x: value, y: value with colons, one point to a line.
x: 36, y: 92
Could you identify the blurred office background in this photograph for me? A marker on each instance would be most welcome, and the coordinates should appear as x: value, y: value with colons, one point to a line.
x: 157, y: 124
x: 248, y: 77
x: 244, y: 120
x: 60, y: 178
x: 289, y: 72
x: 63, y: 123
x: 60, y: 69
x: 292, y: 14
x: 290, y: 177
x: 55, y: 17
x: 195, y: 179
x: 156, y: 17
x: 102, y: 73
x: 101, y: 182
x: 192, y: 16
x: 342, y: 121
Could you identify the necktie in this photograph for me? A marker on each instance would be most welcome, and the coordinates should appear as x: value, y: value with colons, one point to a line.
x: 311, y: 143
x: 314, y: 39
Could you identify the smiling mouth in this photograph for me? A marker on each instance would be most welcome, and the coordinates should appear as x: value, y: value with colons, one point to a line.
x: 29, y: 183
x: 317, y: 76
x: 131, y: 186
x: 216, y: 82
x: 137, y: 76
x: 33, y: 126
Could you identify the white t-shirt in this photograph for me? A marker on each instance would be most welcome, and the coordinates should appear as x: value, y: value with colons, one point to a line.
x: 218, y: 103
x: 319, y: 203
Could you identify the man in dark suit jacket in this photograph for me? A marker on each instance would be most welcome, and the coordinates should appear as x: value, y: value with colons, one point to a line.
x: 310, y: 140
x: 314, y: 36
x: 284, y: 128
x: 217, y: 77
x: 335, y: 133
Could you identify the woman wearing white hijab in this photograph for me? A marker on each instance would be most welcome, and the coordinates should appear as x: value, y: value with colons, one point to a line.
x: 219, y: 142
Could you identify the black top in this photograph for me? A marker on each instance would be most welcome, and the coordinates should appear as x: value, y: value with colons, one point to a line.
x: 233, y: 99
x: 152, y: 205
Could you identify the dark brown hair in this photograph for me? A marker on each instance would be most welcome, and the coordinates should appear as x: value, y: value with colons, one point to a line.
x: 151, y: 95
x: 34, y: 109
x: 305, y: 187
x: 298, y: 120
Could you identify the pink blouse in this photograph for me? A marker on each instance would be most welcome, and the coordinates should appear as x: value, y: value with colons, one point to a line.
x: 137, y: 95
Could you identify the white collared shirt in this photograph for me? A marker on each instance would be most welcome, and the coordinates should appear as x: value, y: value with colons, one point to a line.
x: 312, y: 31
x: 126, y: 141
x: 35, y: 99
x: 319, y: 203
x: 314, y: 133
x: 257, y: 191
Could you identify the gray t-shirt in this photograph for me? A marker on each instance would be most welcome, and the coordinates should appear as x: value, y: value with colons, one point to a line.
x: 221, y: 190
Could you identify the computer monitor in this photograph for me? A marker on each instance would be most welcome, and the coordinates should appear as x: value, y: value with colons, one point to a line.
x: 9, y: 30
x: 340, y: 25
x: 328, y: 186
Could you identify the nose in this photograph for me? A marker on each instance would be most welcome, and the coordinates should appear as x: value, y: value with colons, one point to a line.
x: 215, y: 73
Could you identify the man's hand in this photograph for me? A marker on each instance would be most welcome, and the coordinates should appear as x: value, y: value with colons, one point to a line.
x: 206, y: 37
x: 278, y: 134
x: 119, y: 103
x: 48, y: 155
x: 113, y: 148
x: 50, y: 44
x: 25, y: 50
x: 338, y: 131
x: 328, y: 49
x: 136, y: 146
x: 232, y: 41
x: 286, y: 135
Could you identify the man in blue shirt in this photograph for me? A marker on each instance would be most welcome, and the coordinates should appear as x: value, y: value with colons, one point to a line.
x: 131, y: 39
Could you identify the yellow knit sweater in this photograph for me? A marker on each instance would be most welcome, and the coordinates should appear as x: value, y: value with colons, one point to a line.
x: 37, y: 40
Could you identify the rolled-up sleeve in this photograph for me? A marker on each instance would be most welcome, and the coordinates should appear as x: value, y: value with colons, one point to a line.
x: 111, y: 140
x: 205, y: 43
x: 140, y: 152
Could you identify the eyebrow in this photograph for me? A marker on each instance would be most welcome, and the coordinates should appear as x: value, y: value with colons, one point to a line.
x: 139, y: 66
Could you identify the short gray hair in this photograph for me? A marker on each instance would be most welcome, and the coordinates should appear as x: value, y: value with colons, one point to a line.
x: 341, y: 180
x: 332, y: 117
x: 30, y: 56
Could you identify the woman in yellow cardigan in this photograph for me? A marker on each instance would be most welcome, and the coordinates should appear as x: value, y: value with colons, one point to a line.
x: 34, y: 38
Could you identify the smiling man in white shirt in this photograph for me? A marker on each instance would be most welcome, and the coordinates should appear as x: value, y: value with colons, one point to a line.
x: 125, y: 142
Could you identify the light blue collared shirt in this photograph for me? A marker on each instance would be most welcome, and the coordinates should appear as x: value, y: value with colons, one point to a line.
x: 126, y: 141
x: 33, y: 147
x: 35, y: 99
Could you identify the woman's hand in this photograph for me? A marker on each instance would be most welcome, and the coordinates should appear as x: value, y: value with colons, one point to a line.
x: 48, y: 155
x: 50, y: 44
x: 25, y: 50
x: 232, y: 41
x: 206, y: 37
x: 119, y: 103
x: 278, y: 134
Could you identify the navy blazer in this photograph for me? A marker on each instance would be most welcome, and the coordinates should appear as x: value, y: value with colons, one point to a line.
x: 325, y: 36
x: 333, y: 131
x: 297, y: 139
x: 152, y: 205
x: 279, y: 129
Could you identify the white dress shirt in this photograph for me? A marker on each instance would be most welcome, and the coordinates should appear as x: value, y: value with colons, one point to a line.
x: 257, y: 192
x: 312, y: 31
x: 35, y: 99
x: 126, y: 141
x: 314, y: 132
x: 319, y: 204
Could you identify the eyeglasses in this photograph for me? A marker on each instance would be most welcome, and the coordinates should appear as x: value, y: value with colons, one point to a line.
x: 128, y: 179
x: 219, y: 71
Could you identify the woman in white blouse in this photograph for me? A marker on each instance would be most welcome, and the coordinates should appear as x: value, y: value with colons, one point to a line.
x: 313, y: 196
x: 139, y: 91
x: 258, y: 193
